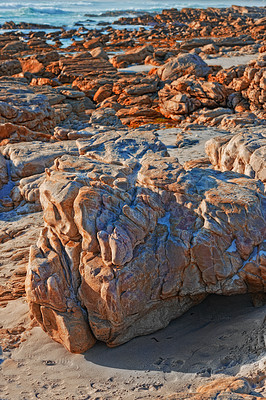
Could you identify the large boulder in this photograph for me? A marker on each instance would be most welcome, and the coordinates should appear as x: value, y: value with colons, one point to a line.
x: 182, y: 65
x: 132, y: 240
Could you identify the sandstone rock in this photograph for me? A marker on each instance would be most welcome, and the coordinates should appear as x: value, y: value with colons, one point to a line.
x: 210, y: 49
x: 82, y: 65
x: 16, y: 236
x: 21, y: 106
x: 196, y: 43
x: 182, y: 65
x: 105, y: 116
x: 134, y: 240
x: 185, y: 95
x: 92, y: 44
x: 41, y: 64
x: 103, y: 93
x: 15, y: 47
x: 98, y: 52
x: 32, y: 65
x: 44, y: 82
x: 236, y: 121
x: 244, y: 153
x: 11, y: 133
x: 222, y: 389
x: 212, y: 117
x: 132, y: 57
x: 3, y: 171
x: 32, y: 158
x: 29, y: 190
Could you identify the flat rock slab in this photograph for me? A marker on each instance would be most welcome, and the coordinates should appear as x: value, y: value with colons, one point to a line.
x: 33, y: 157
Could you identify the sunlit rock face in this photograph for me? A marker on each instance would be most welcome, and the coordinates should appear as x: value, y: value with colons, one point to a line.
x: 244, y: 153
x: 132, y: 240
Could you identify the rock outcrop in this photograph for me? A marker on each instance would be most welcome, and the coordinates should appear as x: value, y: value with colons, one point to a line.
x: 21, y: 106
x: 132, y: 57
x: 238, y: 388
x: 244, y: 153
x: 132, y: 240
x: 187, y: 94
x: 182, y: 65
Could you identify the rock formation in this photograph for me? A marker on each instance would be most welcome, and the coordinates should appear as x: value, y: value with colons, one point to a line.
x: 132, y: 240
x: 244, y: 153
x: 21, y: 106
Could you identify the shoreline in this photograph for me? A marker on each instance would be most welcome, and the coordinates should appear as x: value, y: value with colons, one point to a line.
x: 102, y: 17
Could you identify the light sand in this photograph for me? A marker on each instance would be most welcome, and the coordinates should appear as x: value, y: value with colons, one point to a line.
x: 195, y: 137
x: 228, y: 62
x: 223, y: 336
x: 224, y: 62
x: 137, y: 68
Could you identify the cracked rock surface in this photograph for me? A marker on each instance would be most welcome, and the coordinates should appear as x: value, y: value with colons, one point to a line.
x: 132, y: 240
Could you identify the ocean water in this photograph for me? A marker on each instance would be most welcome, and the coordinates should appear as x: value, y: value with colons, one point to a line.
x: 68, y: 12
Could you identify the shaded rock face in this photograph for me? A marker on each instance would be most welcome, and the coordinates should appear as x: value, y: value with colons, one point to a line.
x: 132, y: 240
x: 10, y: 67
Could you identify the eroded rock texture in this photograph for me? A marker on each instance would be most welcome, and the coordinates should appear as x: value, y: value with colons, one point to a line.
x: 244, y: 153
x: 132, y: 240
x: 21, y: 106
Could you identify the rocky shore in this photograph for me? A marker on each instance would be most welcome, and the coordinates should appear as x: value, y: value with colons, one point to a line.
x: 132, y: 187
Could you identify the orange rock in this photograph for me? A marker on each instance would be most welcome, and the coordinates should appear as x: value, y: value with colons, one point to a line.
x: 135, y: 240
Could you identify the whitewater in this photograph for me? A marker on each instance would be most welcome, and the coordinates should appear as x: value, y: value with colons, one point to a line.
x: 68, y: 12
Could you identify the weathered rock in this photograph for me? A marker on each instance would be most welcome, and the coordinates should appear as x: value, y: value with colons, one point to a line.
x: 132, y: 57
x: 21, y: 106
x: 3, y: 171
x: 103, y: 93
x: 37, y: 64
x: 132, y: 240
x: 10, y: 67
x: 210, y: 49
x: 15, y: 47
x: 236, y: 121
x: 16, y: 236
x: 105, y: 116
x: 11, y: 133
x: 244, y: 153
x: 187, y: 94
x: 82, y: 65
x: 34, y: 157
x: 182, y: 65
x: 98, y: 52
x: 238, y: 388
x: 93, y: 44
